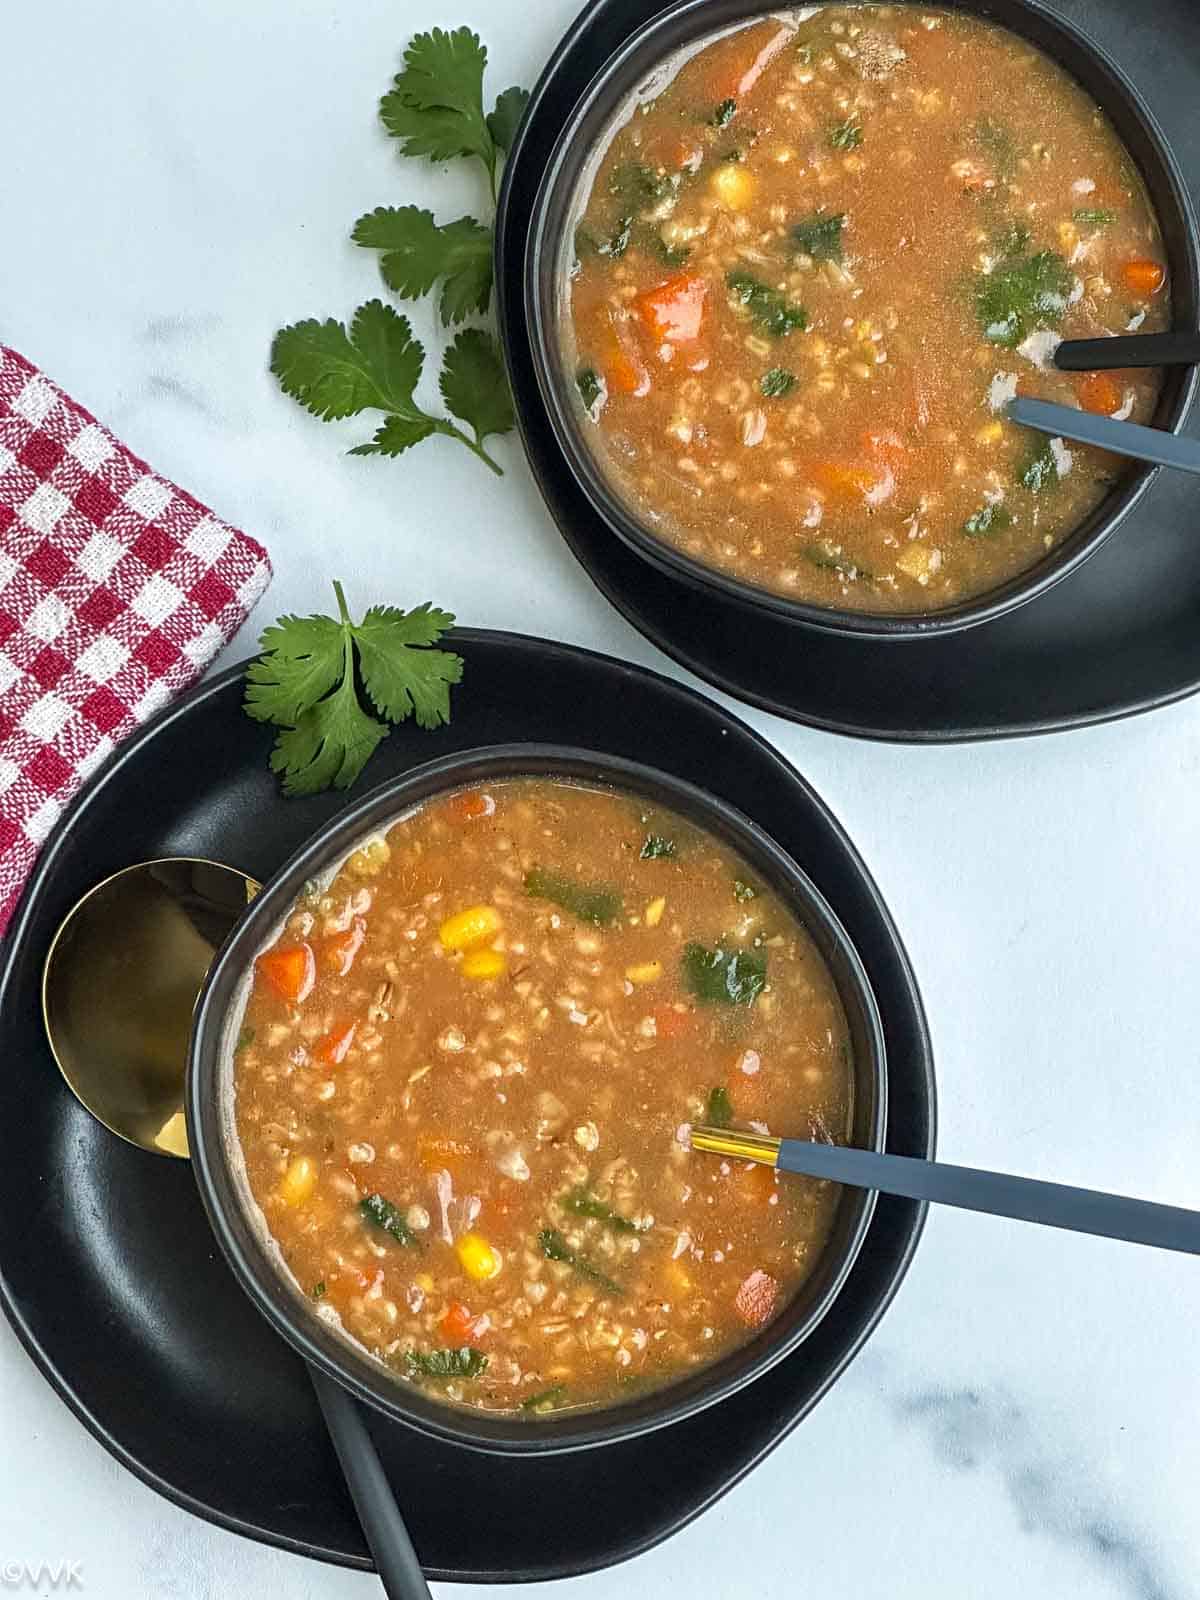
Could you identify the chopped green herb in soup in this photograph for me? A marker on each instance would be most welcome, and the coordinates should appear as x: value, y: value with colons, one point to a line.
x: 848, y: 242
x: 466, y: 1078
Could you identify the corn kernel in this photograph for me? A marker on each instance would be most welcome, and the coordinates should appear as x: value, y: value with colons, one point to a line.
x: 481, y: 964
x: 299, y: 1181
x: 475, y: 925
x: 478, y: 1259
x: 654, y: 911
x: 678, y: 1275
x: 990, y: 433
x: 424, y: 1282
x: 644, y: 972
x: 733, y: 185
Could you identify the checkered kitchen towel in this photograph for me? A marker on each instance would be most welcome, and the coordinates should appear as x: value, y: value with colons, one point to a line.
x: 116, y: 591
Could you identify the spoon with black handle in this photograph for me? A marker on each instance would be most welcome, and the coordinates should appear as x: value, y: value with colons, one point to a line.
x: 1179, y: 348
x: 1122, y: 438
x: 1055, y: 1205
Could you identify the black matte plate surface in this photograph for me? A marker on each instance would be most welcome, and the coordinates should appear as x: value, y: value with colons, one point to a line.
x: 112, y: 1280
x: 1121, y: 635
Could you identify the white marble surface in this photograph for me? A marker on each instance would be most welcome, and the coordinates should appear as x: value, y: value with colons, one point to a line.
x: 176, y: 179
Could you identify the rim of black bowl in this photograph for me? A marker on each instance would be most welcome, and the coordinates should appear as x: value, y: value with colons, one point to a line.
x: 246, y: 1244
x: 1139, y: 132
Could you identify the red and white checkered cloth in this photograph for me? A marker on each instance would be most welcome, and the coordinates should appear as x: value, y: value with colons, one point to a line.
x: 116, y: 591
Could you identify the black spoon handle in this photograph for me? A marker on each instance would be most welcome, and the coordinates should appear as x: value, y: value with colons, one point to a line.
x: 1129, y: 350
x: 1056, y: 1205
x: 395, y: 1559
x: 1123, y: 438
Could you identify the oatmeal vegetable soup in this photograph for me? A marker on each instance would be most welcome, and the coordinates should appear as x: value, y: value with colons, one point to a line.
x: 811, y: 272
x: 465, y: 1081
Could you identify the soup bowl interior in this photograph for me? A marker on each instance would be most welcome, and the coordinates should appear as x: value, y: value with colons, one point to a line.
x: 640, y: 68
x: 241, y: 1229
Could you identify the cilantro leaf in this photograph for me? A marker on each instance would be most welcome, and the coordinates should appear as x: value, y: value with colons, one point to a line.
x: 334, y: 373
x: 306, y: 655
x: 417, y: 253
x: 989, y: 519
x: 820, y: 236
x: 474, y: 384
x: 1041, y: 470
x: 464, y: 1363
x: 377, y: 365
x: 846, y: 135
x: 771, y: 311
x: 395, y: 436
x: 329, y: 745
x: 400, y: 673
x: 305, y: 682
x: 719, y: 1112
x: 1021, y: 294
x: 435, y: 104
x: 504, y: 120
x: 724, y: 977
x: 779, y: 381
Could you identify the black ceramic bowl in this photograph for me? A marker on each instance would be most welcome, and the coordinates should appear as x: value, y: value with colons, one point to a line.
x: 547, y: 260
x: 239, y: 1226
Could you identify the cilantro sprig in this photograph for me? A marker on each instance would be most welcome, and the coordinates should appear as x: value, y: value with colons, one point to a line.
x: 435, y: 109
x: 307, y: 683
x: 375, y: 365
x: 435, y: 105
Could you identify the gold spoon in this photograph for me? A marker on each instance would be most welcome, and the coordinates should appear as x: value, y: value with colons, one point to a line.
x: 119, y: 986
x: 121, y: 978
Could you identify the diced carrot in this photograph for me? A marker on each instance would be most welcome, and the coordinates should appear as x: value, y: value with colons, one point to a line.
x: 333, y: 1048
x: 291, y: 972
x: 756, y: 1184
x: 1101, y: 393
x: 874, y: 484
x: 624, y: 370
x: 340, y: 950
x: 671, y: 1024
x: 460, y: 1328
x: 1143, y: 277
x: 471, y: 805
x: 435, y: 1151
x: 755, y: 1299
x: 673, y: 311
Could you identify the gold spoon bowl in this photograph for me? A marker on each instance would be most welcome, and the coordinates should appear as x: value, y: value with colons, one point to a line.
x: 119, y: 985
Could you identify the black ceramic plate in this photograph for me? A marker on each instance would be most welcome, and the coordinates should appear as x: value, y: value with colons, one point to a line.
x: 1120, y: 635
x: 113, y: 1281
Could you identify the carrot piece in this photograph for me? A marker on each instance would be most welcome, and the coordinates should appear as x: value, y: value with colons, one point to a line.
x: 624, y: 370
x: 1100, y: 392
x: 755, y: 1299
x: 471, y: 805
x: 460, y: 1328
x: 673, y: 311
x: 340, y: 950
x: 333, y: 1048
x: 671, y: 1024
x: 874, y: 484
x: 1143, y: 277
x: 290, y: 972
